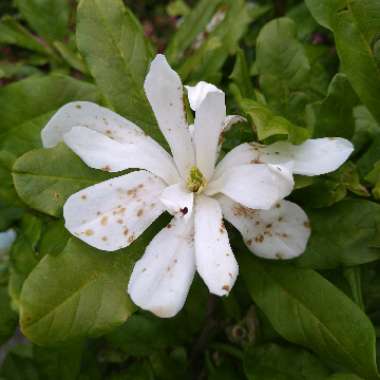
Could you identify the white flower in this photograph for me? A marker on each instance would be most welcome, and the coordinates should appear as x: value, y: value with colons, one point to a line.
x: 248, y: 181
x: 6, y: 240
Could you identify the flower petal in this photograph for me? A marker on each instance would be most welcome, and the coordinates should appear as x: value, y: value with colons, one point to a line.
x: 92, y: 116
x: 208, y: 125
x: 257, y: 186
x: 102, y: 152
x: 113, y: 127
x: 320, y: 156
x: 313, y: 157
x: 164, y: 91
x: 178, y: 200
x: 112, y: 214
x: 215, y: 260
x: 279, y: 233
x: 161, y: 279
x: 197, y: 94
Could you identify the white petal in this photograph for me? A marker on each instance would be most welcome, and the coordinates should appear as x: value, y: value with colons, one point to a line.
x: 208, y: 126
x: 90, y: 115
x: 198, y: 93
x: 6, y: 240
x: 257, y: 186
x: 178, y: 200
x: 215, y: 260
x: 112, y: 214
x: 164, y: 90
x: 279, y: 233
x: 161, y: 279
x: 112, y: 126
x: 313, y: 157
x: 101, y: 152
x: 320, y: 156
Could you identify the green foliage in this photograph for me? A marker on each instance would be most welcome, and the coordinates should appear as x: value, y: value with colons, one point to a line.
x: 295, y: 69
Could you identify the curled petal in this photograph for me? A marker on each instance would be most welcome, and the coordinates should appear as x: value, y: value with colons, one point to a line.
x: 102, y: 152
x: 215, y: 260
x: 208, y: 126
x: 161, y: 279
x: 257, y: 186
x: 279, y: 233
x: 197, y: 94
x: 112, y: 214
x: 164, y: 91
x: 178, y: 200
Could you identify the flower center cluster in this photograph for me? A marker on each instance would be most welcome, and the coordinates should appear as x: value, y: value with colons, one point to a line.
x: 196, y: 182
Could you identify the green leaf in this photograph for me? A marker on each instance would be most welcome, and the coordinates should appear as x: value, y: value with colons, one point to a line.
x: 49, y: 18
x: 241, y: 77
x: 283, y: 68
x: 219, y: 40
x: 108, y: 33
x: 344, y: 376
x: 355, y: 24
x: 61, y: 363
x: 341, y: 235
x: 54, y: 238
x: 192, y: 25
x: 45, y: 178
x: 333, y: 116
x: 13, y: 33
x: 272, y: 362
x: 81, y: 292
x: 306, y: 309
x: 268, y: 124
x: 8, y: 318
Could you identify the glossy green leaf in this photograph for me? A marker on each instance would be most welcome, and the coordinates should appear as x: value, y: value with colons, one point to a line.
x: 355, y: 24
x: 344, y: 376
x: 342, y: 235
x: 113, y: 44
x: 283, y: 68
x: 78, y: 293
x: 333, y: 116
x: 274, y: 362
x: 307, y: 310
x: 41, y: 13
x: 266, y: 123
x: 45, y: 178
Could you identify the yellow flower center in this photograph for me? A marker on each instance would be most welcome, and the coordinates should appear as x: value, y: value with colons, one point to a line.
x: 196, y: 182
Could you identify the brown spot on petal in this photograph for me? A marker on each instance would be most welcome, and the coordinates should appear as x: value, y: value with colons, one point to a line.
x: 131, y: 239
x: 279, y: 255
x: 78, y: 106
x: 259, y: 238
x: 84, y: 197
x: 184, y: 210
x: 120, y: 221
x: 169, y: 226
x: 104, y: 221
x: 104, y: 238
x: 249, y: 242
x: 106, y: 168
x: 89, y: 232
x: 226, y: 288
x: 268, y: 225
x: 285, y: 236
x: 278, y: 205
x: 140, y: 212
x: 126, y: 232
x: 280, y: 219
x: 306, y: 224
